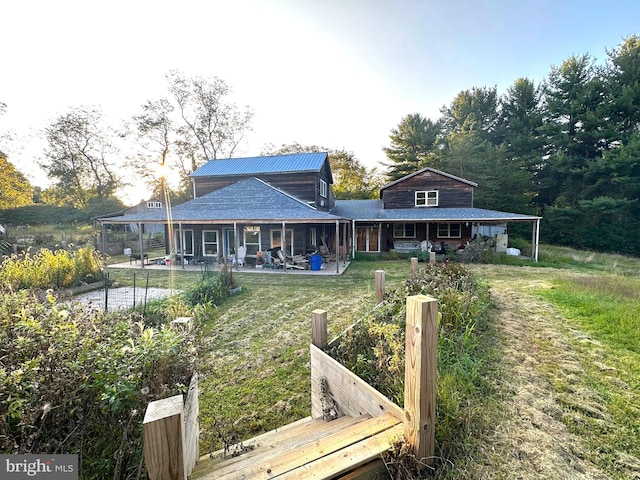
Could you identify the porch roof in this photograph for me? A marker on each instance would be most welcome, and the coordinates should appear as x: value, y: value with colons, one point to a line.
x: 372, y: 211
x: 249, y: 200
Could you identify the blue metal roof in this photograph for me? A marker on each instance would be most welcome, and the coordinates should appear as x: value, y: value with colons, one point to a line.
x: 372, y: 211
x: 296, y: 162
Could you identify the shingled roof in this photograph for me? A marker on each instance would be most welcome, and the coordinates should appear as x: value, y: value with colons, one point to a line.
x: 249, y: 200
x: 371, y: 210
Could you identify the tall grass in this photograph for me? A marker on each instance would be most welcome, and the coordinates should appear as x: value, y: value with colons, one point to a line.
x: 51, y: 268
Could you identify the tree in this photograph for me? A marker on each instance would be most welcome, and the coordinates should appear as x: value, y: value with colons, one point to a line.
x: 211, y: 125
x: 414, y: 145
x: 81, y: 158
x: 479, y: 105
x: 520, y: 129
x: 574, y: 126
x: 15, y: 189
x: 352, y: 180
x: 153, y: 132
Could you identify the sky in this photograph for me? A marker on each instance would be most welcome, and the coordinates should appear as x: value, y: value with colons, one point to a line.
x: 336, y: 73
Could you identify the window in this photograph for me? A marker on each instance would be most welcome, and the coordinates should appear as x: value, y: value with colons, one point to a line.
x: 404, y: 230
x: 323, y: 188
x: 313, y: 236
x: 449, y: 230
x: 427, y: 198
x: 154, y: 204
x: 252, y: 240
x: 210, y: 243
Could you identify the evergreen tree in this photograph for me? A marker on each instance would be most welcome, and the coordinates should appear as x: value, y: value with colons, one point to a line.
x: 414, y: 145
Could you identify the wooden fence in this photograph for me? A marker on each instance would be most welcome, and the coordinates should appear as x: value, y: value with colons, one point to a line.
x: 171, y: 428
x: 171, y: 435
x: 335, y: 387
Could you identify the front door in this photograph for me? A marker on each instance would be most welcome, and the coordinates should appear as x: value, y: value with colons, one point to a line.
x: 368, y: 239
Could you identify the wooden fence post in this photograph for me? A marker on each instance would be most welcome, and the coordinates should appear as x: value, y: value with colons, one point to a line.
x: 164, y: 449
x: 380, y: 285
x: 319, y: 328
x: 414, y: 267
x: 420, y: 376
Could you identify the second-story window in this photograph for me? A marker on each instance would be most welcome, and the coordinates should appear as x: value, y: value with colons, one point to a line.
x: 427, y: 198
x: 154, y: 204
x: 323, y: 188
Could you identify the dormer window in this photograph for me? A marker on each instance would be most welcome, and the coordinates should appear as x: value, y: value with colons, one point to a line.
x: 151, y: 205
x: 323, y: 188
x: 427, y: 198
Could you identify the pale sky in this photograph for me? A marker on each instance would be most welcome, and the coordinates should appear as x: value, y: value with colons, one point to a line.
x: 336, y: 73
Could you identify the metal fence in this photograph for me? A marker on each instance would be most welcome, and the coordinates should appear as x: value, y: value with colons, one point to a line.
x: 113, y: 298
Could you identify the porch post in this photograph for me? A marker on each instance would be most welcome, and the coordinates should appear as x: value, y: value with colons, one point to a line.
x: 345, y: 226
x: 141, y: 244
x: 283, y: 245
x: 181, y: 244
x: 536, y: 239
x: 353, y: 239
x: 104, y: 243
x: 337, y: 246
x: 236, y: 241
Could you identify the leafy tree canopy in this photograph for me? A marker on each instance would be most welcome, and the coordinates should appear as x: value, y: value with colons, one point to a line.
x: 15, y: 189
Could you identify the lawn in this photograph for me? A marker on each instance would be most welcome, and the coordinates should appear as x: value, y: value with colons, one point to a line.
x: 565, y: 361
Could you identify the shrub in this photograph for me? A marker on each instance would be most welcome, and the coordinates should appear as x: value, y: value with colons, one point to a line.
x: 374, y: 348
x: 75, y: 380
x: 213, y: 288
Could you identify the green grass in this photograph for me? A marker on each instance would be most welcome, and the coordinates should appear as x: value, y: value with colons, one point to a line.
x: 607, y: 308
x: 254, y: 359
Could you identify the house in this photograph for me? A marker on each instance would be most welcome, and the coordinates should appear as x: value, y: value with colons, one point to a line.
x: 286, y: 202
x: 428, y: 205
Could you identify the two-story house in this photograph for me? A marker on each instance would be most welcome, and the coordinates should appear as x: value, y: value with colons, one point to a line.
x: 287, y: 201
x: 428, y: 205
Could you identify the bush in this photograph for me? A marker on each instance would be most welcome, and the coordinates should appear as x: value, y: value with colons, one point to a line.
x: 77, y: 381
x: 52, y: 269
x: 374, y: 348
x: 213, y: 288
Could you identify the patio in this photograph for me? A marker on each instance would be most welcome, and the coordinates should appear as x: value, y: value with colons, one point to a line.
x: 327, y: 268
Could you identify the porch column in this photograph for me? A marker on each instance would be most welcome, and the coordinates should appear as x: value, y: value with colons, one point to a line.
x: 344, y: 242
x: 536, y: 239
x: 141, y: 244
x: 282, y: 245
x: 236, y: 241
x: 353, y: 239
x: 337, y: 242
x: 104, y: 244
x: 180, y: 244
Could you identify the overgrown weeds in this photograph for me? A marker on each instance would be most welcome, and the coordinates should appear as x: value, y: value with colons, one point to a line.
x: 374, y: 350
x: 62, y: 268
x: 76, y: 380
